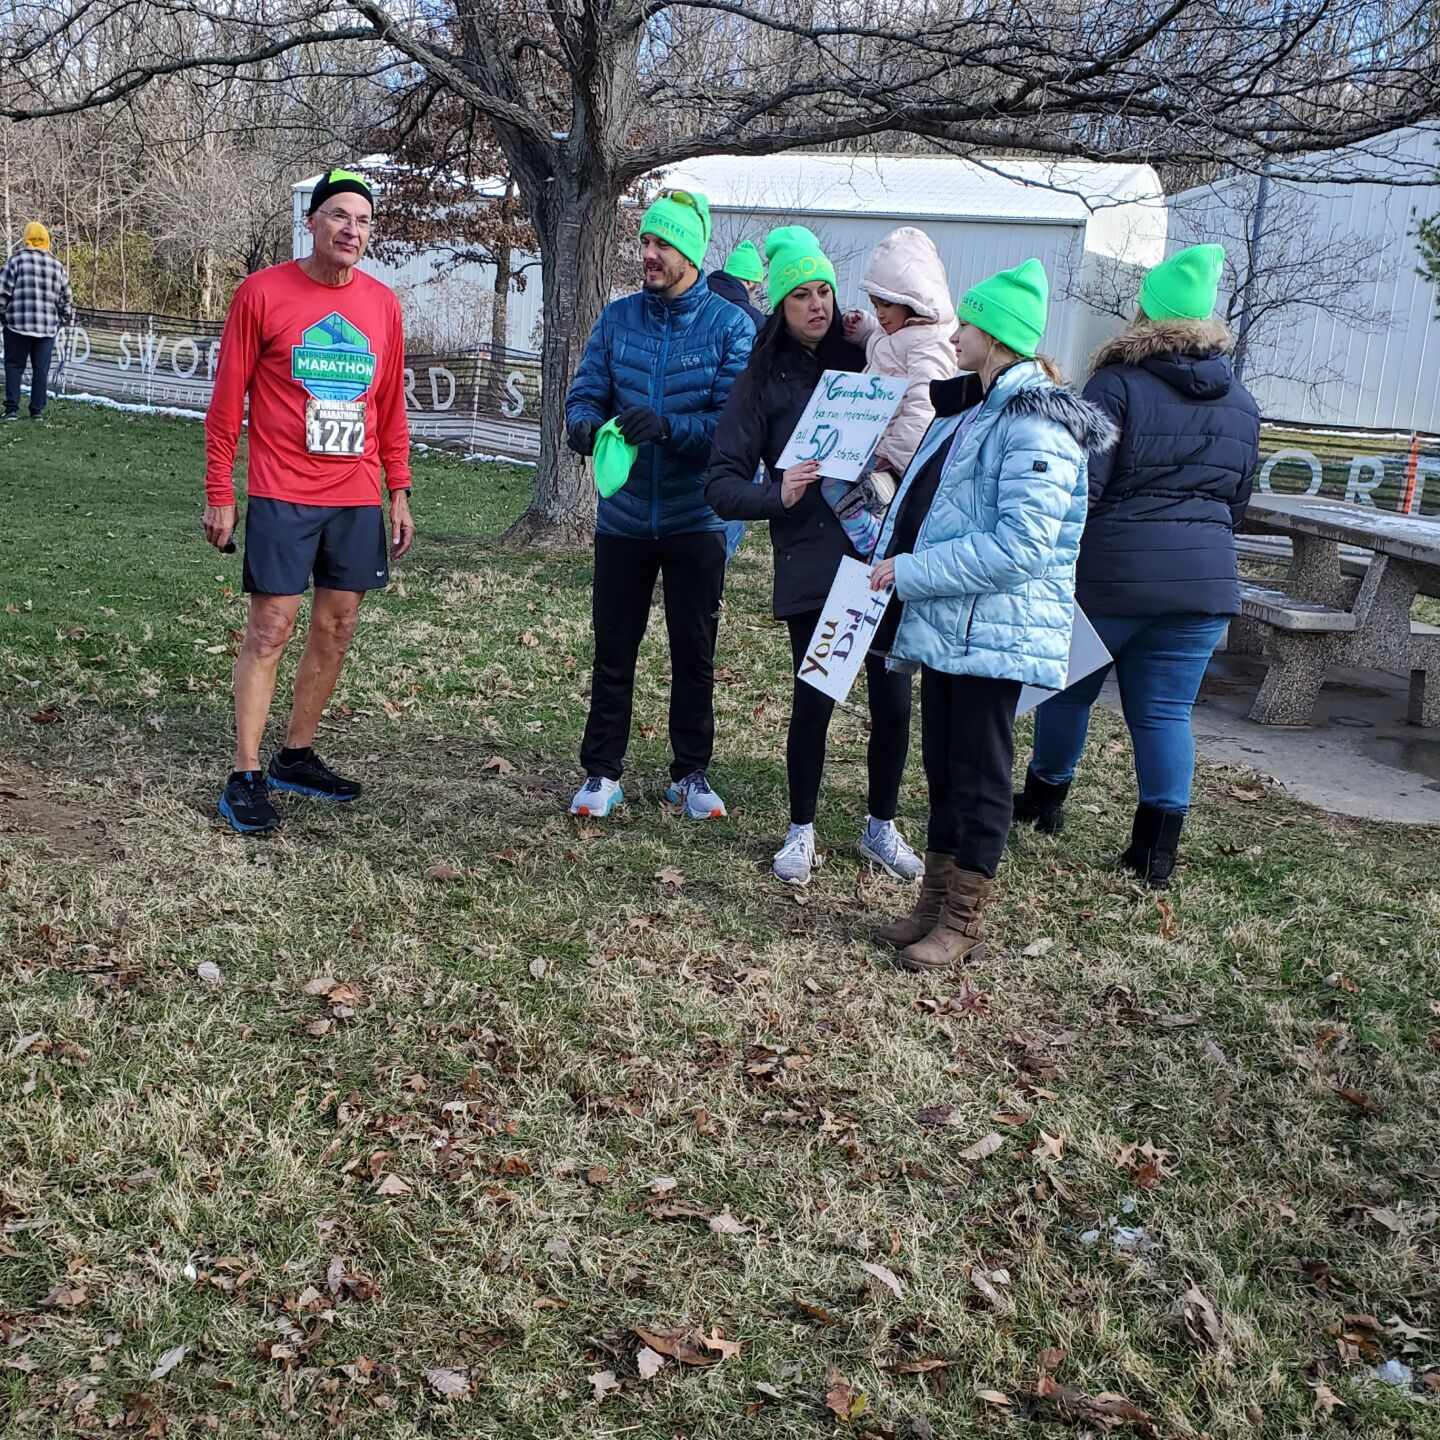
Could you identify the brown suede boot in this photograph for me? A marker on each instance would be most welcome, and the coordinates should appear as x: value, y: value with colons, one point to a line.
x: 959, y: 933
x: 921, y: 920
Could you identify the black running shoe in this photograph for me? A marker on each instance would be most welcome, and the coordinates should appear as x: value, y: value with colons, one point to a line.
x: 245, y: 803
x: 310, y: 775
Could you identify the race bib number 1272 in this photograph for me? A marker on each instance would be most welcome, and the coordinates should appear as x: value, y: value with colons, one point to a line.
x: 335, y: 427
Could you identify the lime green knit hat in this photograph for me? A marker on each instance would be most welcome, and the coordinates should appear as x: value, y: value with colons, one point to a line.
x: 744, y: 262
x: 681, y: 218
x: 612, y: 459
x: 1011, y: 306
x: 795, y: 259
x: 1185, y: 286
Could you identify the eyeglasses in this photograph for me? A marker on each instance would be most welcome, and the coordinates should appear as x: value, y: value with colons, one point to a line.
x: 339, y: 217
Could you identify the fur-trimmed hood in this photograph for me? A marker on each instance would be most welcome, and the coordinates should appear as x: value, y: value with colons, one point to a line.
x: 1191, y: 356
x: 1146, y: 338
x: 1090, y: 426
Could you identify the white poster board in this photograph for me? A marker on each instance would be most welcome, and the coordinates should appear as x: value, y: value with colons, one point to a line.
x: 847, y: 625
x: 843, y: 422
x: 1087, y: 655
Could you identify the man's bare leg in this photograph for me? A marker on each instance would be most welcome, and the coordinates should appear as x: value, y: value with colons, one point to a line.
x: 272, y: 618
x: 332, y: 623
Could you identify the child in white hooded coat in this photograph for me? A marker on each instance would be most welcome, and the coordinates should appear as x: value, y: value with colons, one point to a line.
x: 909, y: 334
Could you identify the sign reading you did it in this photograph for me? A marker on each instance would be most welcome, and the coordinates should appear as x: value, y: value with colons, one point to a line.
x: 846, y: 627
x: 843, y: 422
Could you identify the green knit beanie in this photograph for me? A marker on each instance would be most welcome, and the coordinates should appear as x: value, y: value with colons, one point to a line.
x: 795, y: 259
x: 681, y: 218
x: 1010, y: 306
x: 612, y: 459
x: 1185, y: 286
x: 744, y: 262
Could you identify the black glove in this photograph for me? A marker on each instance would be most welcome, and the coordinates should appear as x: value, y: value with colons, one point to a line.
x: 640, y: 425
x: 581, y: 436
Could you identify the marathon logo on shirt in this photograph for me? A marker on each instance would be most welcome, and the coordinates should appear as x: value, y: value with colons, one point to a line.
x: 334, y: 360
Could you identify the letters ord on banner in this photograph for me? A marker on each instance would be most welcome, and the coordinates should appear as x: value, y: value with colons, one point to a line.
x: 843, y: 422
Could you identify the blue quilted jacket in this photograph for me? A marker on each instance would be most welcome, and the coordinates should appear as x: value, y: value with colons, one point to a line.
x: 680, y: 358
x: 990, y: 587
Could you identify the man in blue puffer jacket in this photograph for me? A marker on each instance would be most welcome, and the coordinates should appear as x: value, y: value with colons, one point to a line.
x: 661, y: 364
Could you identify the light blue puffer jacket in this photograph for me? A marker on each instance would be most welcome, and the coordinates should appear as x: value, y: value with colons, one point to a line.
x: 990, y: 589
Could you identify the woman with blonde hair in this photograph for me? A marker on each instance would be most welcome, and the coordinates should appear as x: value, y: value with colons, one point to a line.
x: 981, y: 546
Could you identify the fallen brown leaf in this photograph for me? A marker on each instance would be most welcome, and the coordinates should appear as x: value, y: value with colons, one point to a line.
x: 842, y: 1401
x: 1364, y: 1103
x: 884, y: 1275
x: 648, y: 1362
x: 65, y: 1297
x: 684, y: 1346
x: 670, y: 876
x: 499, y: 764
x: 1196, y: 1320
x: 986, y: 1145
x: 449, y: 1384
x: 392, y: 1187
x: 604, y: 1383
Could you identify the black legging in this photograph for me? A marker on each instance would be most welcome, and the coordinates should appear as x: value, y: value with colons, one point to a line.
x: 810, y: 713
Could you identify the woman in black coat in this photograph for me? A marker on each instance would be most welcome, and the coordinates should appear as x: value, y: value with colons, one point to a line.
x: 803, y: 338
x: 1157, y: 573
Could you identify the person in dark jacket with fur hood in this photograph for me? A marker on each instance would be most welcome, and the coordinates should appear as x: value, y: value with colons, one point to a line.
x: 1157, y: 573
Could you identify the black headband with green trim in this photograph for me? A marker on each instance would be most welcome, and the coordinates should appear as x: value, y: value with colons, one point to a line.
x: 340, y: 182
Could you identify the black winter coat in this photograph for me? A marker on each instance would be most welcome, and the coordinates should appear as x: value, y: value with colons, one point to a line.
x: 727, y: 287
x: 1166, y: 501
x: 757, y: 421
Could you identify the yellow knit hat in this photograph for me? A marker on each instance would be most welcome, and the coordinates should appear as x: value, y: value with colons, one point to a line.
x: 37, y: 237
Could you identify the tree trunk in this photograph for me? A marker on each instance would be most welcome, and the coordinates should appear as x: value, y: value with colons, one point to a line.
x: 576, y: 229
x: 499, y: 327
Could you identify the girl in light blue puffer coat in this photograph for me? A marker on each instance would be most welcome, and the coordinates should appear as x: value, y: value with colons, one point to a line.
x: 981, y: 545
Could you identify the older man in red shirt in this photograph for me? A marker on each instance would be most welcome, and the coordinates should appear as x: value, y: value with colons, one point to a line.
x: 317, y: 346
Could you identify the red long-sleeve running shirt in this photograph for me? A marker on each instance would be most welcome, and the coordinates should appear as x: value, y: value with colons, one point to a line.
x: 324, y: 366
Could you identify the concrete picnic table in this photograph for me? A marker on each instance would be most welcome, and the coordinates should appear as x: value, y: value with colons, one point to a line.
x: 1348, y: 620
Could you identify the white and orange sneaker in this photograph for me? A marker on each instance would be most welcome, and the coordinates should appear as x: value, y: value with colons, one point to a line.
x: 700, y: 801
x: 597, y: 797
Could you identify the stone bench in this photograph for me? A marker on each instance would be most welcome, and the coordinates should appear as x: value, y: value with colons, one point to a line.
x: 1302, y: 639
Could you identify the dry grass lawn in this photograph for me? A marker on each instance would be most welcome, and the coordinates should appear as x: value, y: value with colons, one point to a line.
x: 447, y: 1116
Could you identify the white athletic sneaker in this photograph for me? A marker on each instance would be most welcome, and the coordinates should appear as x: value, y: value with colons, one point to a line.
x: 797, y: 857
x: 882, y: 844
x: 700, y: 801
x: 597, y: 797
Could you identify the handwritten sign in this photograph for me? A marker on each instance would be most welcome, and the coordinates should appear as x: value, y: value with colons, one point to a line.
x: 846, y: 627
x: 1087, y: 655
x: 843, y: 422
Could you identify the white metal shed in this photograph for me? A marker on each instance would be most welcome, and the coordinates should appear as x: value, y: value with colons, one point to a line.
x: 1385, y: 376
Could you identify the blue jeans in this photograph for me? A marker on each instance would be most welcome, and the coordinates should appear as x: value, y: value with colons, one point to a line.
x: 734, y: 534
x: 1160, y: 661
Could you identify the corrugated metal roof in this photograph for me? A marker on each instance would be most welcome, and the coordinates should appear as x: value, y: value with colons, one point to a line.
x: 913, y: 186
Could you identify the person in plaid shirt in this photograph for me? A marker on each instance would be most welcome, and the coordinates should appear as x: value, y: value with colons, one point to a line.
x: 35, y: 301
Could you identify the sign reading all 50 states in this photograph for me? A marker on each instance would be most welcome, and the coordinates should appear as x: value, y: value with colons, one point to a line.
x: 843, y: 422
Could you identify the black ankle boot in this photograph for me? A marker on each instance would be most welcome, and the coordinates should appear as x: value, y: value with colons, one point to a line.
x: 1041, y: 804
x: 1154, y: 840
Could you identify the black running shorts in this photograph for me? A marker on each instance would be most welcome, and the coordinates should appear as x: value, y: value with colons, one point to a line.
x: 343, y: 547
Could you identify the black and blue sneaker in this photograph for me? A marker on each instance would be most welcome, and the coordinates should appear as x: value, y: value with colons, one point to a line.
x: 245, y: 803
x: 305, y: 773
